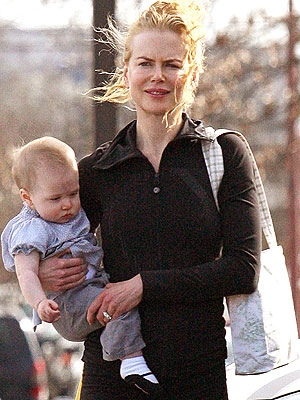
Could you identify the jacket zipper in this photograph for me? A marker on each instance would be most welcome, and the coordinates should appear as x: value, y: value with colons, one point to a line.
x: 156, y: 188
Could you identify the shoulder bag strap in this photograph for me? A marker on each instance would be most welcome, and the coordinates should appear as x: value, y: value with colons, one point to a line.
x: 213, y: 157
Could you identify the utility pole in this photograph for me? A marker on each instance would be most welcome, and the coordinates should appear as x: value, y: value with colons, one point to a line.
x: 105, y: 113
x: 293, y: 156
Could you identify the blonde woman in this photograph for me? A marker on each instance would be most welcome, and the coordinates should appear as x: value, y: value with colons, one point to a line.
x: 162, y: 234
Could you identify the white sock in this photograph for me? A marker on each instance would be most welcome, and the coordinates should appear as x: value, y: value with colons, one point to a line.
x: 136, y: 365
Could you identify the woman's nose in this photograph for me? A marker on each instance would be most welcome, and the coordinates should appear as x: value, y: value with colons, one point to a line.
x: 158, y: 74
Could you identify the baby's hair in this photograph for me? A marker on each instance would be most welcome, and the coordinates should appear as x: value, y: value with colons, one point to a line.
x: 184, y: 17
x: 37, y: 153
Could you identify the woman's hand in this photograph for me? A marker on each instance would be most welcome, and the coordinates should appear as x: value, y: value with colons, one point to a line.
x: 116, y: 299
x: 58, y: 274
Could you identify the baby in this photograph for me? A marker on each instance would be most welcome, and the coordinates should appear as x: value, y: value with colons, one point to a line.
x: 52, y: 220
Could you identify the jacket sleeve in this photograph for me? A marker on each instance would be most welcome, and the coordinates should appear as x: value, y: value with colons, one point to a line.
x: 236, y: 270
x: 89, y: 200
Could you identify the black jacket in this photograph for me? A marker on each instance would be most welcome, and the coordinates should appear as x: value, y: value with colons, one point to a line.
x: 166, y: 227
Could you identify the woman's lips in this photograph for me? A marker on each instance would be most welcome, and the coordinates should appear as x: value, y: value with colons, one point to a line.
x: 157, y: 92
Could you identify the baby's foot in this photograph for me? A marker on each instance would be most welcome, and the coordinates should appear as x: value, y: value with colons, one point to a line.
x: 135, y: 372
x: 142, y: 383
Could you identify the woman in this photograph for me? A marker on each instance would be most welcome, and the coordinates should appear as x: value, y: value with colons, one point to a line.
x: 162, y: 234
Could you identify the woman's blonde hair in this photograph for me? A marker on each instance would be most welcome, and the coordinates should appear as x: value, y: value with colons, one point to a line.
x: 46, y: 151
x: 182, y: 17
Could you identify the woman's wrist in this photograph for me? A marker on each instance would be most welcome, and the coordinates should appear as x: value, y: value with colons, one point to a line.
x: 137, y: 288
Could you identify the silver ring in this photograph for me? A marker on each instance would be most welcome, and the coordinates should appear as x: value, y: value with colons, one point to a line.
x: 106, y: 315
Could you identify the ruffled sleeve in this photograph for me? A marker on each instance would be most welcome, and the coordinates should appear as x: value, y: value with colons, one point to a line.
x: 23, y: 236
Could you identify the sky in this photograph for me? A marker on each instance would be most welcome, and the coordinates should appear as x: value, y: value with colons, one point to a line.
x: 33, y: 14
x: 30, y: 14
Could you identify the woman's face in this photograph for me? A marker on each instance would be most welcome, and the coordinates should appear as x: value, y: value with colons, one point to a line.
x: 155, y: 72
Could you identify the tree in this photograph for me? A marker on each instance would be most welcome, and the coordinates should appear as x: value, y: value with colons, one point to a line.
x: 45, y: 73
x: 105, y: 113
x: 246, y: 87
x: 293, y: 154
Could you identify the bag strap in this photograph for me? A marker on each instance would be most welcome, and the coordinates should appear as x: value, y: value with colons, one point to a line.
x: 213, y: 157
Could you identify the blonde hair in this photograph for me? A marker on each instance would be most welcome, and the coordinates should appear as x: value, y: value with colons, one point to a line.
x: 182, y: 17
x: 47, y: 151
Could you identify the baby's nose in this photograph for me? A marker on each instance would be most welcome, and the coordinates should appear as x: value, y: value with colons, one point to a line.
x: 66, y: 204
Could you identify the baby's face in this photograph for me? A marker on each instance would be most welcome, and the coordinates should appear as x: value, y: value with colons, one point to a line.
x: 56, y: 194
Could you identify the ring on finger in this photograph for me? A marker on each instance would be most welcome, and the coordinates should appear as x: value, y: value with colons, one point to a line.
x: 106, y: 315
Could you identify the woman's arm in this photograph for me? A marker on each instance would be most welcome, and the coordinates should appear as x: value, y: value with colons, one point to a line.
x: 58, y: 274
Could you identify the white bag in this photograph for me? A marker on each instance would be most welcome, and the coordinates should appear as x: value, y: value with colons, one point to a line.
x: 263, y: 324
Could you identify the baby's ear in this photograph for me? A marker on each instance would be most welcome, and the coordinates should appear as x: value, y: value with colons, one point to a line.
x: 25, y: 196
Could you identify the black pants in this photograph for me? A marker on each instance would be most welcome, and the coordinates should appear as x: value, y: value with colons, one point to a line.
x: 104, y: 383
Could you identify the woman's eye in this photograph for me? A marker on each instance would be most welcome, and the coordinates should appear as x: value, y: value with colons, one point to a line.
x: 175, y: 66
x: 144, y: 64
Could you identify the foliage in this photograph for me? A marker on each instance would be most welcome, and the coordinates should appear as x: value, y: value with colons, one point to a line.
x: 245, y: 88
x: 45, y: 75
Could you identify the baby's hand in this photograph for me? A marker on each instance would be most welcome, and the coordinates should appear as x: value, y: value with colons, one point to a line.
x: 48, y: 310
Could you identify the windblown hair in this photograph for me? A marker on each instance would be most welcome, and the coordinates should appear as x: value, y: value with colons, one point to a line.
x: 46, y: 151
x: 183, y: 17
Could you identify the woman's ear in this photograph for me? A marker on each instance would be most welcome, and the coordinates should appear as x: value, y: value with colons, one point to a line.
x: 125, y: 74
x: 195, y: 78
x: 25, y: 196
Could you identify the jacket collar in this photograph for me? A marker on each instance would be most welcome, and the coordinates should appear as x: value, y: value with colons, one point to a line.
x: 123, y: 146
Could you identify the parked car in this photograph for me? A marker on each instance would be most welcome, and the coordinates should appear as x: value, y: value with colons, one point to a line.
x: 282, y: 383
x: 63, y: 360
x: 23, y: 373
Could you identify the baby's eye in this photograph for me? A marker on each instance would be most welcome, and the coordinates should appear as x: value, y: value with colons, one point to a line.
x: 74, y: 194
x: 55, y: 199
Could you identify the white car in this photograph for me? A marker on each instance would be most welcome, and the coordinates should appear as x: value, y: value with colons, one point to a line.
x: 282, y: 383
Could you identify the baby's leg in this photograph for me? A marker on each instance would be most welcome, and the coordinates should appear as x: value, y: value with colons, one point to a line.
x: 122, y: 339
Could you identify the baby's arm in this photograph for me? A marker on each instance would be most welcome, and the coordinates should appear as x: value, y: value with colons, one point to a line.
x: 27, y: 273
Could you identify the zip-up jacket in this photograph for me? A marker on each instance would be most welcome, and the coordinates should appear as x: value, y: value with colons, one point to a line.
x: 166, y: 227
